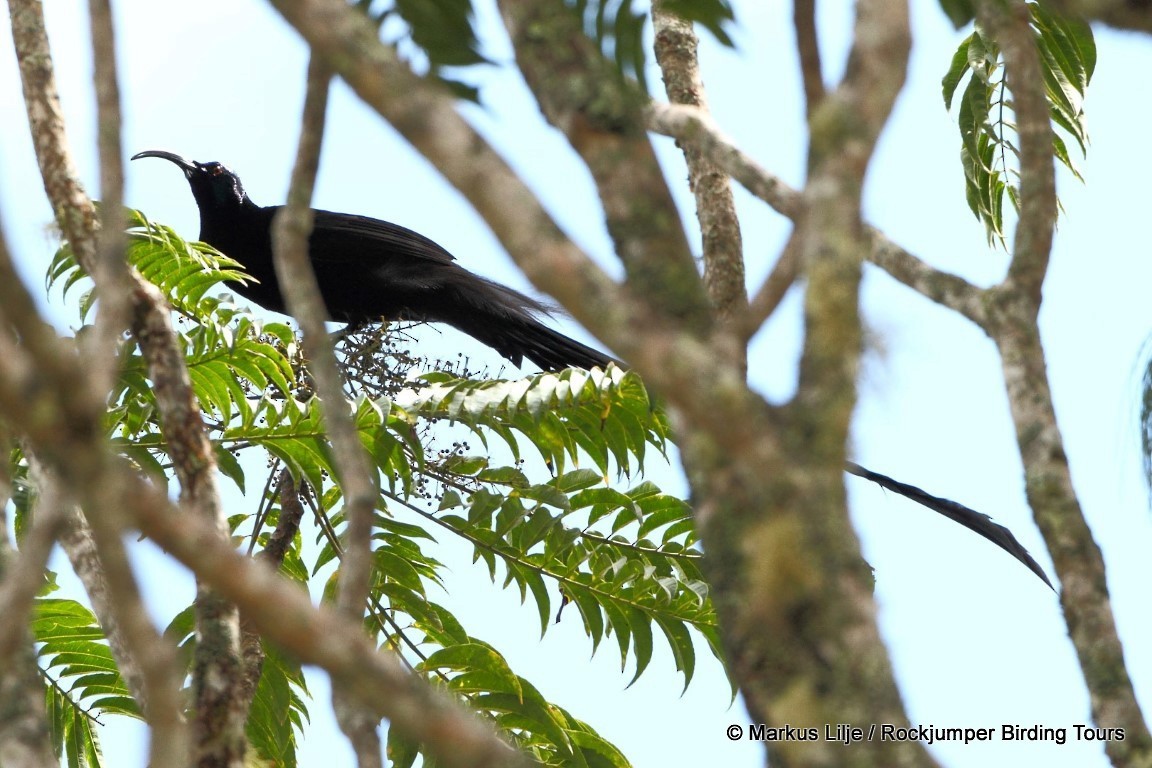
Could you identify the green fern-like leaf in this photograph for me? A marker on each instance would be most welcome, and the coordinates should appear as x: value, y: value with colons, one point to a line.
x: 607, y: 415
x: 184, y: 271
x: 987, y: 134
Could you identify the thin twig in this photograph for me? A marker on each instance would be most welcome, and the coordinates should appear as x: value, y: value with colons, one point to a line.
x: 773, y: 290
x: 689, y: 125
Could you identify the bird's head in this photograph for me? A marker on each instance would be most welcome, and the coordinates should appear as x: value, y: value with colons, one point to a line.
x: 213, y: 185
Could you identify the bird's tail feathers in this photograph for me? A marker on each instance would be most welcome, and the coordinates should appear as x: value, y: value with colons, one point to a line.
x: 505, y: 320
x: 974, y: 521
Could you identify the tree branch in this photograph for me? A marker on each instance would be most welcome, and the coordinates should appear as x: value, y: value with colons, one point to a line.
x: 220, y: 719
x: 115, y: 306
x: 942, y: 287
x: 294, y: 271
x: 1024, y: 73
x: 24, y: 736
x: 693, y: 126
x: 808, y: 47
x: 147, y: 661
x: 687, y: 124
x: 675, y: 46
x: 1013, y: 312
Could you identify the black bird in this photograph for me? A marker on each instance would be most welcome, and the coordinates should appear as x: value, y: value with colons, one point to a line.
x: 371, y: 270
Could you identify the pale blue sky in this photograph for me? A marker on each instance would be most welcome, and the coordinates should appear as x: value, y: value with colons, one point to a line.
x: 976, y: 640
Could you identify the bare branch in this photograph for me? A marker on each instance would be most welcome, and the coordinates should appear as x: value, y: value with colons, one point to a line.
x: 696, y: 127
x: 302, y: 293
x: 146, y: 660
x: 808, y: 47
x: 294, y: 272
x: 1013, y: 310
x: 1024, y: 73
x: 773, y: 290
x: 783, y: 559
x: 23, y: 572
x: 73, y: 209
x: 942, y: 287
x: 675, y: 47
x: 279, y: 542
x: 114, y: 280
x: 690, y: 125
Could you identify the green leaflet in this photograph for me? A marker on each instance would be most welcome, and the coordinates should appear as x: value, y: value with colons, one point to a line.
x: 985, y: 118
x: 81, y: 680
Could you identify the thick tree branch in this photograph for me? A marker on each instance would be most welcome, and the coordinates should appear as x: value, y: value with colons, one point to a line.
x: 220, y: 717
x: 600, y: 113
x: 852, y: 672
x: 1013, y: 323
x: 290, y: 233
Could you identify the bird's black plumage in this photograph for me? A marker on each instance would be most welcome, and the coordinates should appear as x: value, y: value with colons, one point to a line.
x: 370, y: 270
x: 977, y: 522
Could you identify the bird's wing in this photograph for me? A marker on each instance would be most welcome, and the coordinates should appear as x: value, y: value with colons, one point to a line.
x: 344, y: 237
x: 974, y: 521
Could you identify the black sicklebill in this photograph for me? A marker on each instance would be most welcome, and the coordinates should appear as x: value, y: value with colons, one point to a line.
x: 371, y: 270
